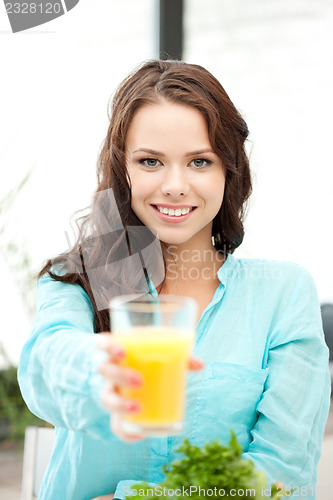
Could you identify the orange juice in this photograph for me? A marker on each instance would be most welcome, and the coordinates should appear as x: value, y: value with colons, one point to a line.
x: 161, y: 355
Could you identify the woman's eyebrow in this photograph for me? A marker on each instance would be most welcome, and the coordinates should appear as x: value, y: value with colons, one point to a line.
x: 200, y: 152
x: 150, y: 151
x: 158, y: 153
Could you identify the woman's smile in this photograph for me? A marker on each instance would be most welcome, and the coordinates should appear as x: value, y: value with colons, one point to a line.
x: 173, y: 214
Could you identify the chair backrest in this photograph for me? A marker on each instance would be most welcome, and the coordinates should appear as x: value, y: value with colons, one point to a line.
x: 327, y: 317
x: 38, y: 444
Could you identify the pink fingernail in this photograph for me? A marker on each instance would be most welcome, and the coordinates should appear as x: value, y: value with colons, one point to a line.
x: 134, y: 380
x: 118, y: 352
x: 131, y: 406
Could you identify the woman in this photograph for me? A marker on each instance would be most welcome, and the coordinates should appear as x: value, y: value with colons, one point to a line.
x: 174, y: 165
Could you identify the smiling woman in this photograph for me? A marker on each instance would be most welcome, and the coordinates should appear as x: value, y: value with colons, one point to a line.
x: 174, y: 165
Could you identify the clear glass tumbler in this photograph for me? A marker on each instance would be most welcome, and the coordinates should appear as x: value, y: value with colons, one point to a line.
x: 157, y: 333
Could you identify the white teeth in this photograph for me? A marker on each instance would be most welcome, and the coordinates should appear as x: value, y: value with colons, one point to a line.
x: 175, y: 212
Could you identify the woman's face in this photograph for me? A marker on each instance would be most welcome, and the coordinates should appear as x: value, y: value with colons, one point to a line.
x: 177, y: 181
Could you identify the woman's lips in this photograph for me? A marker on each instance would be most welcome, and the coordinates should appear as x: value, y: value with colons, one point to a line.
x: 175, y: 219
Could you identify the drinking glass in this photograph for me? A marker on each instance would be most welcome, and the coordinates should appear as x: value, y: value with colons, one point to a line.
x: 157, y: 333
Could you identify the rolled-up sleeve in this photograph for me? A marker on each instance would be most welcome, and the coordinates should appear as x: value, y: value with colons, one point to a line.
x: 58, y: 368
x: 286, y: 440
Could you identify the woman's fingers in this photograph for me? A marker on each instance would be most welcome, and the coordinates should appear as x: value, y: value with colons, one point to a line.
x: 116, y: 352
x: 106, y: 343
x: 104, y: 497
x: 115, y: 403
x: 110, y: 368
x: 120, y: 375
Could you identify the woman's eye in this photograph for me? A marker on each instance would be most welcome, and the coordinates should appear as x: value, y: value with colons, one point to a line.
x: 149, y: 162
x: 201, y: 162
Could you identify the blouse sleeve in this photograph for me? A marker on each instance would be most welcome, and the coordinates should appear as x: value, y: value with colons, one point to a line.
x: 294, y: 407
x: 57, y: 371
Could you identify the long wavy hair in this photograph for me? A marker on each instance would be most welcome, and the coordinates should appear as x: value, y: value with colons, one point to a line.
x: 100, y: 248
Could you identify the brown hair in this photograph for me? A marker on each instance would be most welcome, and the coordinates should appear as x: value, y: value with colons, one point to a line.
x: 176, y: 81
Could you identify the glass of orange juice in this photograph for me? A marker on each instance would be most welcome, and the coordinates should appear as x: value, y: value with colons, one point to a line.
x: 157, y: 333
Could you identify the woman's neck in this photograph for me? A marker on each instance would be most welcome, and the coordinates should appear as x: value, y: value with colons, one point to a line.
x: 186, y: 264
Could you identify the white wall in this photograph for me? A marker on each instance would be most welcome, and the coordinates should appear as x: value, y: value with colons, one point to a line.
x: 55, y: 84
x: 274, y: 59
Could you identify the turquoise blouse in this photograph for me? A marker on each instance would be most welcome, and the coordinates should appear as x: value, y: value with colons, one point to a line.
x: 266, y: 377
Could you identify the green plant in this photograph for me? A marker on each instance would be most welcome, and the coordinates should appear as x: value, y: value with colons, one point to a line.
x: 14, y: 414
x: 213, y: 470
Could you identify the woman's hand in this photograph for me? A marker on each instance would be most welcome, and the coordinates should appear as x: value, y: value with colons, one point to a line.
x: 104, y: 497
x: 117, y: 376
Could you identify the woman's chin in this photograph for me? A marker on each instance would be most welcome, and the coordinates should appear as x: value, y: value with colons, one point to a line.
x: 172, y: 241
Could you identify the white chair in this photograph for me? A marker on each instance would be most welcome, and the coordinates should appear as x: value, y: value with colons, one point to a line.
x: 38, y: 444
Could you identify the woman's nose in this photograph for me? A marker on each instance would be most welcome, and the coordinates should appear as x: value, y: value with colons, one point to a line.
x: 175, y: 183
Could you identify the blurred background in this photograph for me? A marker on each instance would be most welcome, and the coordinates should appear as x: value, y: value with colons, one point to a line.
x: 273, y: 58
